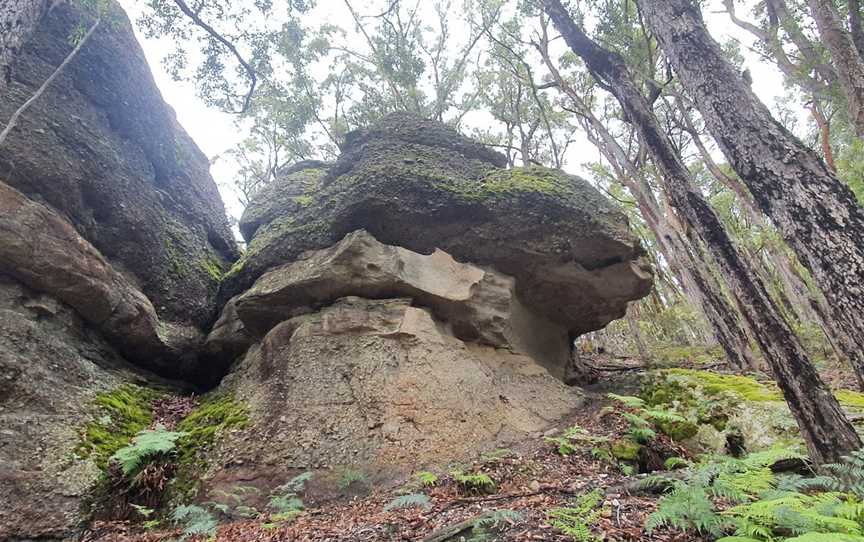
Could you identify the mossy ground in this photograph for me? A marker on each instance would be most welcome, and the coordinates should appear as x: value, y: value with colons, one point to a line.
x: 119, y: 415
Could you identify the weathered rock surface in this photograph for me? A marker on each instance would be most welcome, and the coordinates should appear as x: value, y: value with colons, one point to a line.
x: 103, y: 149
x: 378, y: 385
x: 419, y: 185
x: 51, y: 366
x: 44, y: 251
x: 478, y: 305
x: 292, y: 189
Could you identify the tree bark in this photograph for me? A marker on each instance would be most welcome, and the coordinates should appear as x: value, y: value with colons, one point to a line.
x: 18, y: 20
x: 825, y: 429
x: 633, y: 325
x: 855, y: 27
x: 700, y: 286
x: 847, y: 60
x: 815, y: 212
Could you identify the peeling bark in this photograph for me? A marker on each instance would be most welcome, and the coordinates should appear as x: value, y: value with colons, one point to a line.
x: 824, y: 427
x: 815, y: 212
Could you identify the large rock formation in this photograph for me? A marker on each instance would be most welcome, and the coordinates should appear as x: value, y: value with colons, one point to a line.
x: 52, y: 366
x: 104, y: 150
x: 411, y: 304
x: 419, y: 185
x: 406, y: 306
x: 112, y: 241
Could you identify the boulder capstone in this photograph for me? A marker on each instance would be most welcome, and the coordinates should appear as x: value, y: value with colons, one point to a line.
x: 420, y: 185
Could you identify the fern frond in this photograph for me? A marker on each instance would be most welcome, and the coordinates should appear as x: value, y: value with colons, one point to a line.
x: 409, y: 501
x: 147, y: 445
x: 627, y: 400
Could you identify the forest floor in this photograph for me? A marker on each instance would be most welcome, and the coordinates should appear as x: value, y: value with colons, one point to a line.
x: 531, y: 479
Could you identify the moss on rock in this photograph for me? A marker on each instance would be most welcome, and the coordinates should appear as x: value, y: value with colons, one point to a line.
x: 119, y: 415
x: 678, y: 430
x: 201, y: 429
x: 626, y: 450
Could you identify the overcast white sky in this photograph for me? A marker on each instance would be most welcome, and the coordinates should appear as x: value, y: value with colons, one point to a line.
x: 216, y: 132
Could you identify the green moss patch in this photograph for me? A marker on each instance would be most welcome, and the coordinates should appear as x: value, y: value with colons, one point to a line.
x: 509, y: 181
x: 201, y: 428
x: 213, y: 268
x: 625, y: 450
x: 120, y: 415
x: 748, y: 389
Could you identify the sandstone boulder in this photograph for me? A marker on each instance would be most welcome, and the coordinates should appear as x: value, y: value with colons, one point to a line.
x: 103, y: 149
x: 420, y: 185
x: 379, y: 386
x: 292, y: 189
x: 478, y: 305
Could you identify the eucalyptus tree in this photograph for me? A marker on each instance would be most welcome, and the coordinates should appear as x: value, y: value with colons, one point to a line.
x: 824, y: 427
x: 818, y: 216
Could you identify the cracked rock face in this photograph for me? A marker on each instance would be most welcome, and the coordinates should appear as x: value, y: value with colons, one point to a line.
x: 52, y: 365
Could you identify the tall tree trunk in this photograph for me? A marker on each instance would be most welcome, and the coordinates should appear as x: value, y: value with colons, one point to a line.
x: 855, y: 27
x: 704, y: 291
x: 18, y: 20
x: 814, y: 211
x: 825, y: 429
x: 701, y: 287
x: 847, y: 60
x: 636, y: 332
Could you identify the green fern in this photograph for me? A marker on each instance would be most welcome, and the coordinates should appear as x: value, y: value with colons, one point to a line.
x: 796, y: 513
x: 642, y: 435
x: 349, y: 477
x: 412, y: 500
x: 285, y: 500
x: 577, y: 520
x: 427, y: 479
x: 627, y: 400
x: 147, y: 445
x: 194, y: 520
x: 474, y: 483
x: 687, y: 508
x: 565, y: 447
x: 673, y: 463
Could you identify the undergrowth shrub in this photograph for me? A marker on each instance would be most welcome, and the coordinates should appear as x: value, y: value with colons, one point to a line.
x: 745, y: 499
